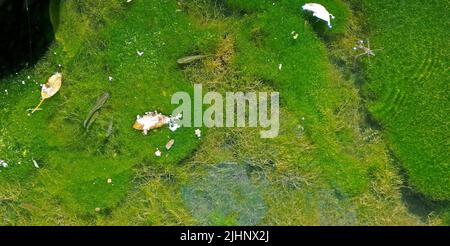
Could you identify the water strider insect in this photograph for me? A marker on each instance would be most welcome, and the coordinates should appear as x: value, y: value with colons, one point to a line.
x: 366, y: 49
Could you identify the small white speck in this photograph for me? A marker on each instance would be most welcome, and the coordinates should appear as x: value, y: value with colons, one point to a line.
x: 3, y: 164
x: 198, y: 133
x: 140, y: 53
x: 158, y: 153
x: 35, y: 164
x: 280, y: 66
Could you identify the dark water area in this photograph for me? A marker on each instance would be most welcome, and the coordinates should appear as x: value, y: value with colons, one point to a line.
x: 25, y: 34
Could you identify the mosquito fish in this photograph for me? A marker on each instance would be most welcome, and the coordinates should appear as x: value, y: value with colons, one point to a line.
x: 98, y: 105
x: 110, y: 130
x: 190, y: 59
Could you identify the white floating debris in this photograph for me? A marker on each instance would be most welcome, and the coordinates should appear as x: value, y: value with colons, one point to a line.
x: 280, y: 66
x: 98, y: 210
x: 3, y: 164
x: 110, y: 78
x: 158, y: 153
x: 319, y: 11
x: 151, y: 120
x: 170, y: 144
x: 174, y: 126
x: 198, y: 133
x: 155, y: 120
x: 129, y: 1
x: 109, y: 181
x: 140, y: 53
x: 174, y: 122
x: 35, y: 164
x: 295, y: 35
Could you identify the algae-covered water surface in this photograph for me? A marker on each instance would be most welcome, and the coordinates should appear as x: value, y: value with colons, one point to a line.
x: 224, y: 112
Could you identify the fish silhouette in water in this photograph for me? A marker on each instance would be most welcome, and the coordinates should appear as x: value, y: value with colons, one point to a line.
x: 93, y: 114
x: 190, y: 59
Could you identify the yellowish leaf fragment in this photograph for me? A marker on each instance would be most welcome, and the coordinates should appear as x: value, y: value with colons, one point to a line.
x: 50, y: 88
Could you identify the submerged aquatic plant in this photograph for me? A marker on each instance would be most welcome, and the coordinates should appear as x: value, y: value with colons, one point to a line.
x: 225, y: 195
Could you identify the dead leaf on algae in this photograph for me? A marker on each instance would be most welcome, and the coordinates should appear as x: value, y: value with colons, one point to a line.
x: 50, y: 89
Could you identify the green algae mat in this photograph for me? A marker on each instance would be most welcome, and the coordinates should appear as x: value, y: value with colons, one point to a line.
x: 362, y: 140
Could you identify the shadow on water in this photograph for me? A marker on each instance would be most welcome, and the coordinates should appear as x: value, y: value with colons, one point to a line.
x: 417, y: 203
x: 25, y: 34
x: 424, y: 207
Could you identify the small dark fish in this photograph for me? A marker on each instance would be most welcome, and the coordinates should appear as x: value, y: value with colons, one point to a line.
x: 190, y: 59
x: 90, y: 118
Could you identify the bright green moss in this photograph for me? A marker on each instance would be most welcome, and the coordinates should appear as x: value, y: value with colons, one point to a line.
x: 320, y: 170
